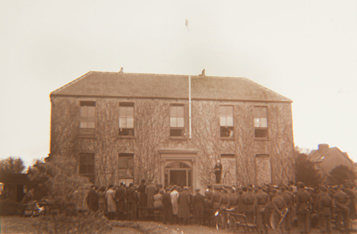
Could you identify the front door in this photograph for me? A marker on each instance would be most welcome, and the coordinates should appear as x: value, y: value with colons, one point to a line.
x: 178, y: 177
x: 178, y: 173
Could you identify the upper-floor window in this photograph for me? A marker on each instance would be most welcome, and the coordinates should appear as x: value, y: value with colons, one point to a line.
x: 87, y: 117
x: 226, y: 121
x: 177, y: 120
x: 87, y: 166
x: 260, y: 122
x: 126, y: 119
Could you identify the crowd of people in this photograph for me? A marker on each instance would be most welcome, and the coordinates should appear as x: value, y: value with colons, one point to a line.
x: 281, y: 207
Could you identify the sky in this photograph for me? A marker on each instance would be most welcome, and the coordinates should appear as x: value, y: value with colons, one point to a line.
x: 304, y: 50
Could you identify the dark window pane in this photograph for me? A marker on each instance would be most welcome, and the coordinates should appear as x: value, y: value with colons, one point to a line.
x: 261, y: 132
x: 176, y: 132
x: 226, y: 131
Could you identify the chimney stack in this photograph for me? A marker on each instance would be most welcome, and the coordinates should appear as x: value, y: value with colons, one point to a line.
x: 323, y: 147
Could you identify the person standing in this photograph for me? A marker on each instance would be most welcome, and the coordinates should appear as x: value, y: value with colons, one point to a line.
x: 262, y: 200
x: 150, y: 190
x: 142, y: 198
x: 218, y: 171
x: 158, y: 205
x: 92, y: 199
x: 198, y: 204
x: 184, y: 201
x: 342, y: 201
x: 325, y: 210
x: 111, y: 204
x: 167, y: 208
x: 174, y: 195
x: 132, y: 201
x: 303, y: 208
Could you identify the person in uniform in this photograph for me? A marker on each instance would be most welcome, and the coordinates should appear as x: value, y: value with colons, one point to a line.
x: 325, y: 210
x: 262, y: 200
x: 249, y: 202
x: 279, y: 210
x: 303, y: 208
x: 342, y: 201
x: 198, y: 203
x: 289, y: 201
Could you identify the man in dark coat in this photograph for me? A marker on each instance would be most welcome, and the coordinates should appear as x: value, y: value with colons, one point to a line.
x: 218, y: 171
x: 262, y: 200
x: 303, y: 208
x: 198, y: 203
x: 342, y: 202
x: 132, y: 202
x: 92, y: 199
x: 142, y: 198
x: 325, y: 210
x: 167, y: 208
x: 184, y: 202
x: 120, y: 200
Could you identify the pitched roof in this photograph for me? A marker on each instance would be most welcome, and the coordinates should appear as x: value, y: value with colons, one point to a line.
x: 318, y: 156
x: 142, y: 85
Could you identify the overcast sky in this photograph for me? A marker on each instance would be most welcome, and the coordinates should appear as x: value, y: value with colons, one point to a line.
x: 304, y: 50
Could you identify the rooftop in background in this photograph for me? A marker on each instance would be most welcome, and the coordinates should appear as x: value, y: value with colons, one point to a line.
x: 142, y: 85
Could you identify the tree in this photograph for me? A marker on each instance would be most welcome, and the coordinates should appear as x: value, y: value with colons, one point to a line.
x: 58, y: 180
x: 306, y: 172
x: 11, y: 165
x: 340, y: 175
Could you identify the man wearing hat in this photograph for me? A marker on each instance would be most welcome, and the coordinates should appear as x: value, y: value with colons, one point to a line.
x: 198, y: 203
x: 303, y: 207
x: 325, y: 205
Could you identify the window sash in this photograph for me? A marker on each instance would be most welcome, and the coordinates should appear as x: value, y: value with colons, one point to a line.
x: 126, y: 117
x: 87, y: 117
x: 226, y: 116
x: 260, y: 122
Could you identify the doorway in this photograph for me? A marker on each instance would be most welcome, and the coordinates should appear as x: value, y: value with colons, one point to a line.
x: 178, y: 173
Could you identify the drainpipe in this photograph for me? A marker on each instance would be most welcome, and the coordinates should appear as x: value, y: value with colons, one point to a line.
x: 189, y: 109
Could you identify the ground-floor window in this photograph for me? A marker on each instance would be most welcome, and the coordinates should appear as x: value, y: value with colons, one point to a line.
x: 87, y: 166
x: 262, y: 169
x: 126, y: 167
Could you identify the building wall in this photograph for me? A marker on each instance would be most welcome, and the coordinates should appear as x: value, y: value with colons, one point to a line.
x: 152, y: 145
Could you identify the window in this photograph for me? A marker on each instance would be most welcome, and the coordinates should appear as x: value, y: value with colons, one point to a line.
x: 260, y: 122
x: 126, y: 119
x: 87, y: 117
x: 126, y: 166
x: 86, y: 165
x: 177, y: 122
x: 226, y: 121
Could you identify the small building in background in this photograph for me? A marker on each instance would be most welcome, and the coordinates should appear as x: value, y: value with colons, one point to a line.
x: 327, y: 158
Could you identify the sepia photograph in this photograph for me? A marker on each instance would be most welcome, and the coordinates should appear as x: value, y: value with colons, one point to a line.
x: 178, y: 117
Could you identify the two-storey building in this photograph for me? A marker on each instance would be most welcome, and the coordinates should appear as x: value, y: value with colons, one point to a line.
x: 123, y: 127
